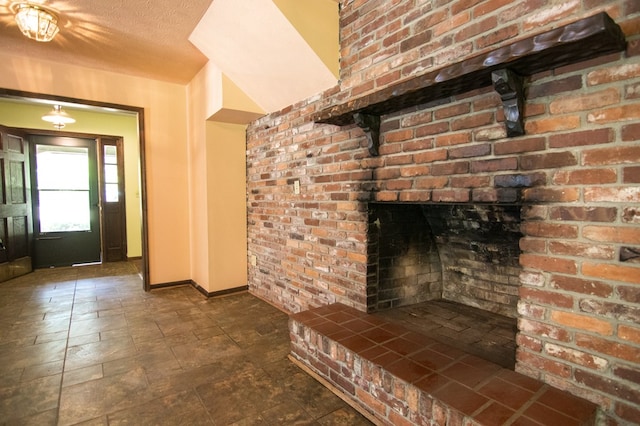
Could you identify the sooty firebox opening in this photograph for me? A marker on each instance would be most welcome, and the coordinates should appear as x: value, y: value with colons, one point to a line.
x: 450, y: 271
x: 465, y: 253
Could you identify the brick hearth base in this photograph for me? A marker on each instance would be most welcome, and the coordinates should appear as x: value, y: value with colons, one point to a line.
x: 395, y: 376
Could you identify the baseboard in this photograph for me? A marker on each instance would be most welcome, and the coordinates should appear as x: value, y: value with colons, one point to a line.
x: 170, y: 284
x: 219, y: 292
x: 199, y: 288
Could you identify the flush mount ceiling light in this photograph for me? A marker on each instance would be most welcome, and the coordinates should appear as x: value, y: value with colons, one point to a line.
x: 58, y: 117
x: 36, y: 22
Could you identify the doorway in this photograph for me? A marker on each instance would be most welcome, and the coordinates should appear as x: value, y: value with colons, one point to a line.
x: 66, y: 202
x: 136, y: 187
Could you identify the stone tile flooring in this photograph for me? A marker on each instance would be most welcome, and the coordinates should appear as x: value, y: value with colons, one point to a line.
x: 87, y: 345
x: 485, y: 334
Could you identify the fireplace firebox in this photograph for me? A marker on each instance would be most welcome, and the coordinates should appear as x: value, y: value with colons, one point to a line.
x: 462, y: 253
x: 450, y: 272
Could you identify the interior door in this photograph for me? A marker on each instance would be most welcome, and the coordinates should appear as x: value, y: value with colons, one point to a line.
x: 15, y: 204
x: 66, y: 201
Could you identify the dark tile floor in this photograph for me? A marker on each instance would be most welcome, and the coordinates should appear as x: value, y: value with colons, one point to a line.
x: 87, y: 345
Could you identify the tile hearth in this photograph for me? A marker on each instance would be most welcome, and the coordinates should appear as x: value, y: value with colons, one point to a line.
x: 485, y: 334
x: 398, y: 376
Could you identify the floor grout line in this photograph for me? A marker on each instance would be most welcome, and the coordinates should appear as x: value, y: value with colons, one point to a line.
x: 66, y: 349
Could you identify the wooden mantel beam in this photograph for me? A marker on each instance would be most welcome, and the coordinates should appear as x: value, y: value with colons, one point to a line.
x: 585, y: 39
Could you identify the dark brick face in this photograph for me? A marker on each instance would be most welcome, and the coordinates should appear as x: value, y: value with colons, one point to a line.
x: 588, y: 214
x: 631, y: 174
x: 555, y: 87
x: 575, y: 175
x: 520, y: 180
x: 548, y: 161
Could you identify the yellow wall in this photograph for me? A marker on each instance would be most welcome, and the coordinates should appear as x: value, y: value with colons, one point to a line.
x: 317, y: 21
x: 236, y: 100
x: 165, y: 113
x: 227, y: 212
x: 27, y: 116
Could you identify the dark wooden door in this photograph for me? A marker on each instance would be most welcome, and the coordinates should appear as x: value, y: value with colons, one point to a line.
x: 66, y: 201
x: 15, y: 204
x: 114, y: 230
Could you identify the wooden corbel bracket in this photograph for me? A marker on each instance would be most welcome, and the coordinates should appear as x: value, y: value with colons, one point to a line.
x: 370, y: 124
x: 509, y: 86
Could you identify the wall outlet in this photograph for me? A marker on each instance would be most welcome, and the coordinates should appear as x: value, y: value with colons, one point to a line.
x: 296, y: 186
x: 253, y: 259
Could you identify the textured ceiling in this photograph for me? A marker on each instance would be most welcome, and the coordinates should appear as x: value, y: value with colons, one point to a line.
x: 147, y: 38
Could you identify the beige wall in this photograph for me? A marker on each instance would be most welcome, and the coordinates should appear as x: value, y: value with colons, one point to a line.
x: 196, y: 192
x: 27, y: 116
x: 226, y: 209
x: 199, y: 105
x: 165, y: 113
x: 217, y: 187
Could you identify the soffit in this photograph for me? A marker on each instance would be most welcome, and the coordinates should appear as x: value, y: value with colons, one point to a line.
x: 259, y: 49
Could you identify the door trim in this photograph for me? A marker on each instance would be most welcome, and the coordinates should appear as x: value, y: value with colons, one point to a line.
x: 143, y: 175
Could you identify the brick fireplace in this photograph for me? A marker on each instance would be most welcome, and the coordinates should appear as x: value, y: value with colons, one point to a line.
x: 563, y: 199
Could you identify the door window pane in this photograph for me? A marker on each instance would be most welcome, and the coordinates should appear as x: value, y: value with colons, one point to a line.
x: 110, y: 154
x: 110, y: 174
x: 111, y: 192
x: 64, y: 211
x: 62, y: 167
x: 62, y: 179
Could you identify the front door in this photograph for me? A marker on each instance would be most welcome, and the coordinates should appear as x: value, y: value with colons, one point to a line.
x: 66, y: 201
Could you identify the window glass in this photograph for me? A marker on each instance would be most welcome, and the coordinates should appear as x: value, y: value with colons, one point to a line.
x: 111, y: 194
x: 62, y: 179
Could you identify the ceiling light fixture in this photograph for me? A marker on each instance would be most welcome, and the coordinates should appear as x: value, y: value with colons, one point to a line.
x: 58, y: 117
x: 36, y: 22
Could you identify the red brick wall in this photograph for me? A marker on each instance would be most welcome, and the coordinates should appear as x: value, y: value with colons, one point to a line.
x: 577, y: 170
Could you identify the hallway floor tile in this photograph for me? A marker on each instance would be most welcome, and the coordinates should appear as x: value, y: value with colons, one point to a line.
x: 86, y: 345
